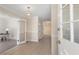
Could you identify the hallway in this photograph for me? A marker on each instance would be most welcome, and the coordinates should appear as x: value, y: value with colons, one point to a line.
x: 32, y: 48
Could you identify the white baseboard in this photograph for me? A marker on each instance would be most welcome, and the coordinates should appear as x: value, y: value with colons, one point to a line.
x: 22, y: 42
x: 34, y: 40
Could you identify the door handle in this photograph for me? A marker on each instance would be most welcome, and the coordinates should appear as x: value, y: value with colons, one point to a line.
x: 59, y: 42
x: 58, y: 29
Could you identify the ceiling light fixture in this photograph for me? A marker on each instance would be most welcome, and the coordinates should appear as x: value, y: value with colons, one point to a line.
x: 28, y: 10
x: 28, y: 14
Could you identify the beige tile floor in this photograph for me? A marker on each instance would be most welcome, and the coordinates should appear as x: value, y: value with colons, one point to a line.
x: 32, y: 48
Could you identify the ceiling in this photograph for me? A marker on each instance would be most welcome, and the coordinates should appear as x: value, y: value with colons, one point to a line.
x: 43, y: 11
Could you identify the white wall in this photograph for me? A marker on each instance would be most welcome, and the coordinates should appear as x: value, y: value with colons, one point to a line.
x: 11, y: 23
x: 3, y: 23
x: 54, y: 26
x: 13, y: 26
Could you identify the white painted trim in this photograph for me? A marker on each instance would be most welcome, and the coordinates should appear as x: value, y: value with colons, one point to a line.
x: 60, y: 28
x: 25, y: 29
x: 33, y: 41
x: 71, y: 23
x: 18, y: 33
x: 61, y: 22
x: 22, y: 42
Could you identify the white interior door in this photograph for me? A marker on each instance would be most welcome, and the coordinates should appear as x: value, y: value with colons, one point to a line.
x: 69, y: 29
x: 22, y: 31
x: 65, y: 27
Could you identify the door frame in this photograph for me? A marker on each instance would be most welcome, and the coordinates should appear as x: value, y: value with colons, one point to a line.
x: 18, y: 39
x: 71, y: 22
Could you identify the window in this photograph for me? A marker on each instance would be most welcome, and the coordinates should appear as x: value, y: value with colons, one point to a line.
x: 76, y: 32
x: 66, y: 13
x: 76, y: 11
x: 76, y: 22
x: 70, y: 22
x: 66, y: 31
x: 66, y: 21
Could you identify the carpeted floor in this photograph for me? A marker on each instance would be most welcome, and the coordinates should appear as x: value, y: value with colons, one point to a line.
x: 43, y: 47
x: 5, y: 45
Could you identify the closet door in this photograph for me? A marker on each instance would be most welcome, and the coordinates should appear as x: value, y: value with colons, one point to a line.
x: 32, y: 29
x: 22, y: 31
